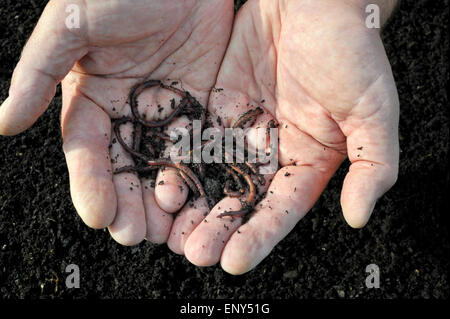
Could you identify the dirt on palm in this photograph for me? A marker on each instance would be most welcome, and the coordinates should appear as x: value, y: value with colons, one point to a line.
x: 407, y: 237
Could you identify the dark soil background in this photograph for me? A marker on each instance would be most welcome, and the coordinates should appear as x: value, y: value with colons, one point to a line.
x: 407, y: 237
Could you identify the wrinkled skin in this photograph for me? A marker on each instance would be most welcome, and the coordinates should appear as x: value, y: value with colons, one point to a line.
x: 321, y: 73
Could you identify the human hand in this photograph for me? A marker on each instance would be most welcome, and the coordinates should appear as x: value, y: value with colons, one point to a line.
x: 118, y: 44
x: 326, y: 79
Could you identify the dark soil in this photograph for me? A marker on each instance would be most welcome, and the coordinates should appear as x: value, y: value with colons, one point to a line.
x: 407, y: 237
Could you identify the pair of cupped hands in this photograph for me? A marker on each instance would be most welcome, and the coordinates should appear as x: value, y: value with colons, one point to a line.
x: 323, y: 75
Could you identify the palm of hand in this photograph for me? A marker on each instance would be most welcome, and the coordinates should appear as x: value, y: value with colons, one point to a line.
x: 326, y: 80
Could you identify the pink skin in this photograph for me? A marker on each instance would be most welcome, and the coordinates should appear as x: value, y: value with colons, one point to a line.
x: 119, y: 44
x: 326, y: 79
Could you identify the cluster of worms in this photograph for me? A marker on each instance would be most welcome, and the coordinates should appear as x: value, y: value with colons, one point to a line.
x: 143, y: 149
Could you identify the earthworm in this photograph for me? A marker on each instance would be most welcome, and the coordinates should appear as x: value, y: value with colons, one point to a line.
x: 235, y: 177
x: 188, y: 181
x: 161, y: 136
x: 227, y: 190
x: 249, y: 203
x: 254, y: 170
x: 247, y: 116
x: 133, y: 103
x: 130, y: 150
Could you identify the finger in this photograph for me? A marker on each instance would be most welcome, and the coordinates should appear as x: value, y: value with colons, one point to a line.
x: 373, y: 149
x: 171, y: 192
x: 185, y: 222
x: 290, y: 196
x: 129, y: 226
x: 47, y: 57
x: 86, y: 134
x: 158, y: 221
x: 204, y: 246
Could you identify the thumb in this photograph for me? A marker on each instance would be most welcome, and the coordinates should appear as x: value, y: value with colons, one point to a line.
x: 48, y: 56
x: 373, y: 149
